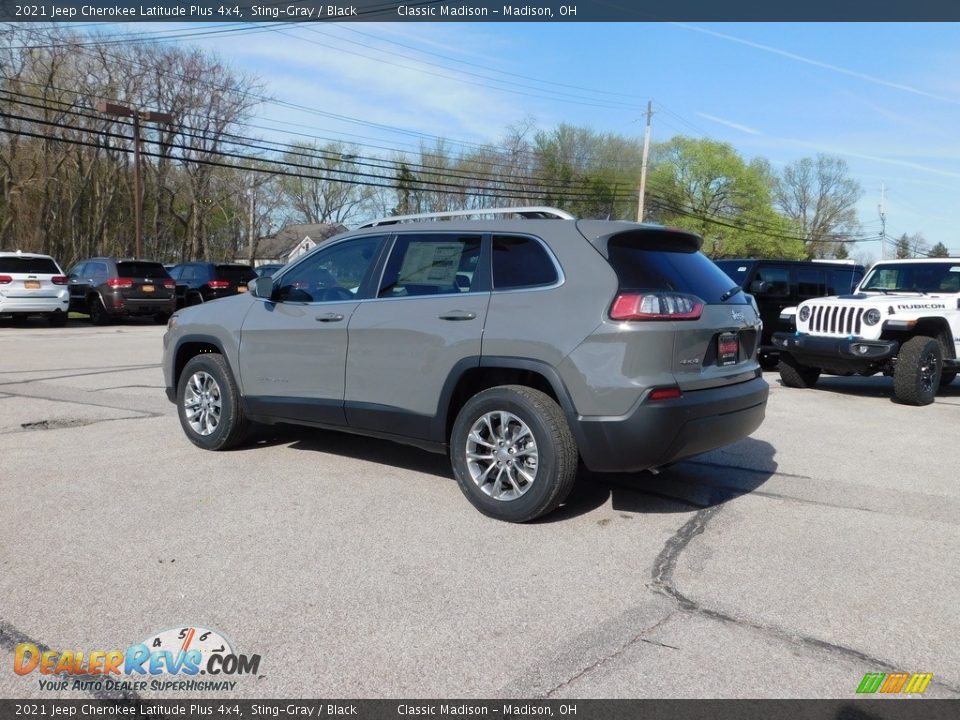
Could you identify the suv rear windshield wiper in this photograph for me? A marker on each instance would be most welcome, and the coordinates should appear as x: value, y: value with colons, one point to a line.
x: 730, y: 293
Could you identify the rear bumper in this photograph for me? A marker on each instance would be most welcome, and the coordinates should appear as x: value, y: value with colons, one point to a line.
x: 147, y: 306
x: 657, y: 433
x: 34, y: 305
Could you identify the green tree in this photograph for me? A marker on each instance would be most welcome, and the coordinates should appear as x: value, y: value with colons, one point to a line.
x: 939, y: 250
x: 705, y: 186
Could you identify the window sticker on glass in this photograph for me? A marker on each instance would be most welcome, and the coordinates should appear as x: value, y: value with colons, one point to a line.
x: 431, y: 264
x: 742, y: 268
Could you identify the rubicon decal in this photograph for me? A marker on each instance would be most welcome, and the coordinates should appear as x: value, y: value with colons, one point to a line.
x: 185, y: 651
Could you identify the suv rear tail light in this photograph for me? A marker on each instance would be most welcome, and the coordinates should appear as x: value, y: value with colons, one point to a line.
x: 219, y: 284
x: 170, y: 284
x: 656, y: 306
x: 5, y: 279
x: 59, y: 279
x: 120, y: 282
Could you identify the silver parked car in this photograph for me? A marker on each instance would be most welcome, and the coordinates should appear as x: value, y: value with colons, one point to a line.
x: 517, y: 345
x: 32, y: 284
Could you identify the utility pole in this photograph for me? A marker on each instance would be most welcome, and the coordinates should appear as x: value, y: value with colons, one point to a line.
x: 643, y: 162
x: 150, y: 115
x: 882, y: 207
x: 251, y: 193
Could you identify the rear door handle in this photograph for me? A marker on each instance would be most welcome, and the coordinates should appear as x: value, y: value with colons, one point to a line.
x: 457, y: 315
x: 329, y: 317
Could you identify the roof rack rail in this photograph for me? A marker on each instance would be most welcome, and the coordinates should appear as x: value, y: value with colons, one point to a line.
x: 532, y: 213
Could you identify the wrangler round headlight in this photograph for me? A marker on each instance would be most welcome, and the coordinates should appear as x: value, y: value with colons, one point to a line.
x: 871, y: 316
x: 804, y: 314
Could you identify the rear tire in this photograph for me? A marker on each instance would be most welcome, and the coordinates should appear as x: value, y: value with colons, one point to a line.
x: 209, y: 404
x: 795, y: 375
x: 98, y: 313
x: 520, y: 438
x: 916, y: 377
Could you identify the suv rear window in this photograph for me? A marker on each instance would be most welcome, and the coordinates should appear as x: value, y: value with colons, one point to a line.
x: 235, y: 273
x: 33, y: 266
x: 134, y: 269
x: 736, y: 269
x: 642, y: 266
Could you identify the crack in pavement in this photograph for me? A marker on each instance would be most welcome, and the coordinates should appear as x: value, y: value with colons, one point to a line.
x: 10, y: 637
x: 127, y: 368
x: 662, y: 583
x: 69, y: 424
x: 86, y: 402
x: 612, y: 655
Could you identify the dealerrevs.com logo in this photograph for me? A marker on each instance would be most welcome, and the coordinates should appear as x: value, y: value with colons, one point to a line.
x: 169, y: 660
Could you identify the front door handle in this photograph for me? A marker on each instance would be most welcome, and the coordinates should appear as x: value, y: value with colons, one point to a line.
x: 329, y: 317
x: 457, y: 315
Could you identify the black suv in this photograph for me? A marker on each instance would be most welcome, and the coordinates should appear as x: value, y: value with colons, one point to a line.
x: 779, y: 284
x: 199, y: 282
x: 107, y: 288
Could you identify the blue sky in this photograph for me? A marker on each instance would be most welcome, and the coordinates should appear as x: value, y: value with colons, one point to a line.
x: 885, y: 97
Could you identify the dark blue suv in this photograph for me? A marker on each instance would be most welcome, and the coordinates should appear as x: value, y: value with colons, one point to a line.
x: 199, y: 282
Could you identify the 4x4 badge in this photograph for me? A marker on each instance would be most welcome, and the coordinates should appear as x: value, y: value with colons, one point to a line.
x: 737, y: 315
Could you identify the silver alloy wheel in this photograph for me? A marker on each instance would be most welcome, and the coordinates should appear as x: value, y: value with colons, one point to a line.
x: 201, y: 403
x: 928, y: 368
x: 502, y: 455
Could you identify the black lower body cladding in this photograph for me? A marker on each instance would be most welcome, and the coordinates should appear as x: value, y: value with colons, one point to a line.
x: 660, y: 432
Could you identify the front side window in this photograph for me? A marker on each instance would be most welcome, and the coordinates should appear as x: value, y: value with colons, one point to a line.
x: 521, y: 262
x: 442, y: 264
x: 331, y: 274
x: 914, y: 277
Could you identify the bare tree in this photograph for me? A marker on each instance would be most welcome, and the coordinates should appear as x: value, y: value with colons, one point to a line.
x: 818, y: 194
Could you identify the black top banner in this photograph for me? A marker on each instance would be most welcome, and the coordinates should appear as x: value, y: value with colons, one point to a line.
x: 478, y: 11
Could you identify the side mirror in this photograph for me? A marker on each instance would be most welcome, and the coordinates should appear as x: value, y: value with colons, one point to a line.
x: 262, y: 287
x: 759, y: 287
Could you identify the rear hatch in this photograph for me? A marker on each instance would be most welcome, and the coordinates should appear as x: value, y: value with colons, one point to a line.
x: 143, y: 280
x: 232, y: 278
x: 666, y: 283
x: 30, y: 276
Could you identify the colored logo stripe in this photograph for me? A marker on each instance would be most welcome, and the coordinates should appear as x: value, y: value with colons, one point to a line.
x: 894, y: 683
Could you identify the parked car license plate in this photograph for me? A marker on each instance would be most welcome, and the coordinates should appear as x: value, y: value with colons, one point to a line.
x: 241, y: 288
x: 728, y: 348
x: 147, y: 288
x: 31, y: 284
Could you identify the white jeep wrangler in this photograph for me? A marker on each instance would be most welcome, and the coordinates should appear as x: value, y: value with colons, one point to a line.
x: 903, y: 320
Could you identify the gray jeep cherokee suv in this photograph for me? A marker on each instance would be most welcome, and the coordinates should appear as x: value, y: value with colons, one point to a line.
x: 514, y: 345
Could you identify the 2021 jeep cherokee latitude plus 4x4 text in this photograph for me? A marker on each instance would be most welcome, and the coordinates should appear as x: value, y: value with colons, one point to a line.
x: 518, y: 346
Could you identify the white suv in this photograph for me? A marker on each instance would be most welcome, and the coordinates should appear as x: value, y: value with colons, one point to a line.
x: 903, y: 321
x: 33, y: 285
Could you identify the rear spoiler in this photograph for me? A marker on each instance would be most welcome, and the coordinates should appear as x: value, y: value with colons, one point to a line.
x: 649, y: 237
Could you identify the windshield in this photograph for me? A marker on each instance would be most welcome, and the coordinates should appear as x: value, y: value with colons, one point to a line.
x: 933, y: 277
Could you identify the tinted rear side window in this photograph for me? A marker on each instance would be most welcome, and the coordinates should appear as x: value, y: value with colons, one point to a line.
x: 236, y: 273
x: 33, y: 266
x: 520, y: 262
x: 133, y: 269
x: 681, y: 270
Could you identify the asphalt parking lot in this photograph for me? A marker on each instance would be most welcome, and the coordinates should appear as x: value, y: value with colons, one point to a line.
x: 788, y: 565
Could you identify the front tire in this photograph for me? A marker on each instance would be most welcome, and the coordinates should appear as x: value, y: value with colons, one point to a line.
x: 916, y: 377
x: 208, y: 404
x: 795, y: 375
x: 513, y: 454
